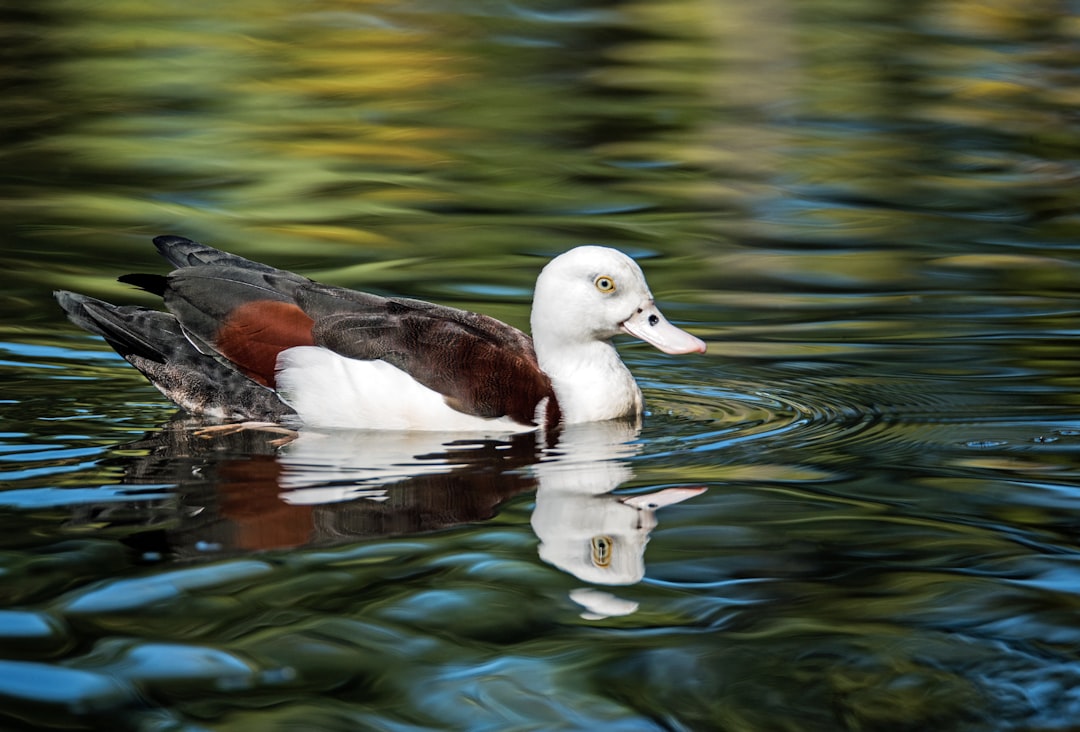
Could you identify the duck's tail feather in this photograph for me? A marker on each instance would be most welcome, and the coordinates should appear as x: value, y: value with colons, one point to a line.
x: 130, y: 330
x: 153, y: 342
x: 155, y: 284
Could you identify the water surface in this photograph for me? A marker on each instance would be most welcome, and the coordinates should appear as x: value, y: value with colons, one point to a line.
x: 858, y: 511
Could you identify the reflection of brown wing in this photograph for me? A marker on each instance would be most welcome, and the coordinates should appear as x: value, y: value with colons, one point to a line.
x: 480, y: 365
x: 256, y: 518
x: 427, y: 503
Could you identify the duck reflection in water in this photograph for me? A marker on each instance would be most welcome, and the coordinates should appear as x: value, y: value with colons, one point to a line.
x: 246, y: 492
x: 242, y: 492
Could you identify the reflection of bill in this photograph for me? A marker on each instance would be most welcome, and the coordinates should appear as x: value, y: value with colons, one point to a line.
x: 585, y: 529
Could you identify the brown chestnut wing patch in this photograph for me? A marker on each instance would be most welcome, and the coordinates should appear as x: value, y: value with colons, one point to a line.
x: 245, y: 314
x: 254, y: 333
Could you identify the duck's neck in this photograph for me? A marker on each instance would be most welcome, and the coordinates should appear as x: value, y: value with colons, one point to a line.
x: 590, y: 380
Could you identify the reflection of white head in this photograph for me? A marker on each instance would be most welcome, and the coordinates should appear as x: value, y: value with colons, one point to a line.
x: 583, y: 528
x: 595, y: 538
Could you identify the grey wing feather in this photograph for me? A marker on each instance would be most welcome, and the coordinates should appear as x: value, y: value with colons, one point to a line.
x: 154, y: 343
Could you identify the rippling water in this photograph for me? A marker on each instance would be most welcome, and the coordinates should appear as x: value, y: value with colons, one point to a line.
x: 858, y: 511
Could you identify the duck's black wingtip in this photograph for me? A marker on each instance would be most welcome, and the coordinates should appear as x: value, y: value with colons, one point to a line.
x: 155, y: 284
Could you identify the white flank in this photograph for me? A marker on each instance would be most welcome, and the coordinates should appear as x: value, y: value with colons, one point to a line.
x: 331, y: 391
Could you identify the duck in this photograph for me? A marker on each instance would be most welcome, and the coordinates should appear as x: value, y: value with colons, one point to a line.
x: 241, y: 341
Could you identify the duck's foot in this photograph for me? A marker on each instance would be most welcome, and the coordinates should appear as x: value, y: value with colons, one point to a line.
x: 219, y: 430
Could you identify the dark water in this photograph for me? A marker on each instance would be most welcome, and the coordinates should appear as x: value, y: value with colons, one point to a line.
x: 858, y: 511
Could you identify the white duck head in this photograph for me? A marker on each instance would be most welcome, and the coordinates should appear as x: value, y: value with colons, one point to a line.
x: 583, y: 299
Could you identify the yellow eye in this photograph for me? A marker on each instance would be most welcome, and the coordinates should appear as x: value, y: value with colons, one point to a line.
x: 602, y: 547
x: 604, y: 283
